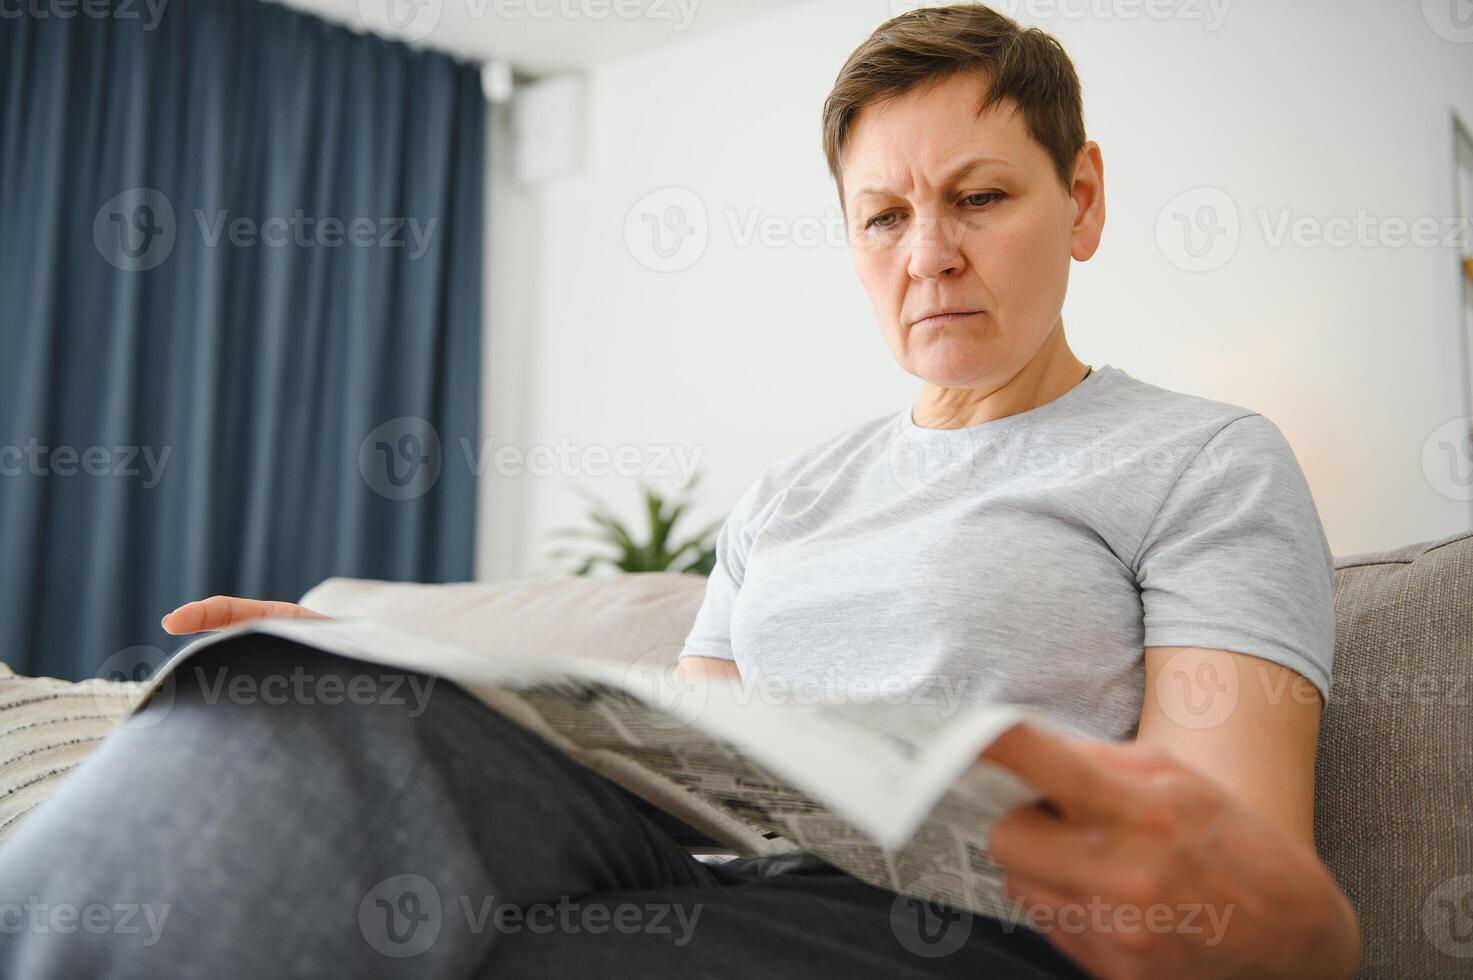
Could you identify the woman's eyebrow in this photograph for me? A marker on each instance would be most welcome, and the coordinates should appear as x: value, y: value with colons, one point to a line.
x: 960, y: 172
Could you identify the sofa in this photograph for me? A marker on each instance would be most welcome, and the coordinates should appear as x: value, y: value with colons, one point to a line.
x: 1393, y: 781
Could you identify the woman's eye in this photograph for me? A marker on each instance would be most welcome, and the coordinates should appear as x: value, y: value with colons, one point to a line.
x: 981, y: 198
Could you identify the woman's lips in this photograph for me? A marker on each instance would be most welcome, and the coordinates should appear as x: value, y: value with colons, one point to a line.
x: 944, y: 318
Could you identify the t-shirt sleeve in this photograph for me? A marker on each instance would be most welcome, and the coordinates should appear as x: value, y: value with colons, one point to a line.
x: 710, y: 636
x: 1236, y: 558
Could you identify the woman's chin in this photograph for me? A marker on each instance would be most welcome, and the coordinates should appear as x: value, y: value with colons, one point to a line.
x: 951, y: 369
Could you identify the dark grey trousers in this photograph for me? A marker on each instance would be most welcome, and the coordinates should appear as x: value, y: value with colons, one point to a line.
x: 283, y: 812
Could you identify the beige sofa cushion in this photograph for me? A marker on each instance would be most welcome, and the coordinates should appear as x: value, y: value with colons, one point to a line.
x: 1394, y: 780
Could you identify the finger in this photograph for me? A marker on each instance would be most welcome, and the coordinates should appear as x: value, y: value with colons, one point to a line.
x: 1071, y: 776
x: 1029, y: 894
x: 1064, y: 857
x: 278, y: 609
x: 1130, y: 759
x: 216, y: 612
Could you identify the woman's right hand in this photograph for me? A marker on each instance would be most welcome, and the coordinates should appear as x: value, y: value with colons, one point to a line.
x: 219, y: 611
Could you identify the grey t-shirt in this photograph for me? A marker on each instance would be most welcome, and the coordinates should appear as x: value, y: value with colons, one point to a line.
x: 1027, y: 560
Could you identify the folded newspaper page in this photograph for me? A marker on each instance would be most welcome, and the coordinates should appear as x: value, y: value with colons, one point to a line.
x: 890, y: 792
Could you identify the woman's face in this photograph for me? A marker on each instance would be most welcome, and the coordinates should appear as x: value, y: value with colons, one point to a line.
x: 952, y: 213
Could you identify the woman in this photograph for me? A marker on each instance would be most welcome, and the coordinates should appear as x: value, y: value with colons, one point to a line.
x: 1146, y: 567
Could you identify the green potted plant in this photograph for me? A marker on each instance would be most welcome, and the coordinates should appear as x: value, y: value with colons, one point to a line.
x: 653, y: 548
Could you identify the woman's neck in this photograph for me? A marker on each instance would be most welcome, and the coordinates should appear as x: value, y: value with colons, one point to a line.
x: 1052, y: 372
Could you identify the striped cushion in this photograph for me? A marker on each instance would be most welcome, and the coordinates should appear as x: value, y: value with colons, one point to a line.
x: 47, y: 726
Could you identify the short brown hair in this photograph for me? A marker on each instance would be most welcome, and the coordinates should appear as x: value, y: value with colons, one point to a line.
x: 928, y: 46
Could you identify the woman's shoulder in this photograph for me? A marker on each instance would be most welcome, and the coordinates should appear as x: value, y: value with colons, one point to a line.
x: 1195, y: 448
x: 1128, y: 391
x: 1150, y: 413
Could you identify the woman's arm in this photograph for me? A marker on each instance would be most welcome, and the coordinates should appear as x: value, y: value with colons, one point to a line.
x: 706, y: 668
x: 1246, y: 723
x: 1252, y: 726
x: 1205, y: 821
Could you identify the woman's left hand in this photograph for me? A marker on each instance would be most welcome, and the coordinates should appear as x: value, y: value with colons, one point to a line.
x: 1137, y: 865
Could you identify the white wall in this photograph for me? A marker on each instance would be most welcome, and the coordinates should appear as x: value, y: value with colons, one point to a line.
x: 1326, y: 108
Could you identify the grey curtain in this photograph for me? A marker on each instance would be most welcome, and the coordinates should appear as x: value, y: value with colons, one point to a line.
x: 240, y: 274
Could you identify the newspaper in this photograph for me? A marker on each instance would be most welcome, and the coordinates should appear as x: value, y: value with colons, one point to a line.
x: 891, y: 793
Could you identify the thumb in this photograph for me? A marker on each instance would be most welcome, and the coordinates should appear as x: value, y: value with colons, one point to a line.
x: 1068, y: 771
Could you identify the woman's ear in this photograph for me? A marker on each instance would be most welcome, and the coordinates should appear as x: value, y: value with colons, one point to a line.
x: 1088, y: 194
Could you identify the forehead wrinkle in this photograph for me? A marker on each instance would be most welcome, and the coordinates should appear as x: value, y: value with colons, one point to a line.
x: 954, y: 175
x: 900, y: 125
x: 920, y: 115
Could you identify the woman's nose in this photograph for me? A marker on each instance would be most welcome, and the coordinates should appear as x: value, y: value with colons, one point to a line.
x: 935, y: 247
